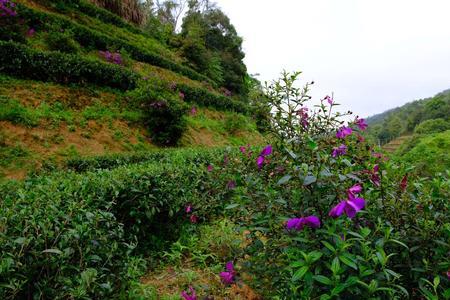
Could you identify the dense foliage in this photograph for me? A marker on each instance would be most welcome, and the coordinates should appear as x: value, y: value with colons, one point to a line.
x: 79, y: 236
x: 19, y: 60
x: 323, y: 214
x: 206, y: 98
x: 427, y: 152
x: 92, y: 39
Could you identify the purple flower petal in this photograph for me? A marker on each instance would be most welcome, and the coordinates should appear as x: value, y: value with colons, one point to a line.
x: 227, y: 277
x: 186, y: 296
x: 294, y: 223
x: 354, y: 190
x: 343, y: 132
x: 229, y: 266
x: 260, y: 161
x: 361, y: 123
x: 266, y: 151
x: 337, y: 210
x: 357, y: 203
x: 312, y: 221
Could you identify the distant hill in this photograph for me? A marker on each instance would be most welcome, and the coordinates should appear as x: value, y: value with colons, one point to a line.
x: 428, y: 115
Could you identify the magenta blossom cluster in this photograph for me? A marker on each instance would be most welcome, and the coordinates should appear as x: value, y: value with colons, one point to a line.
x: 193, y: 111
x: 361, y: 123
x: 193, y: 218
x: 350, y: 206
x: 329, y: 100
x: 341, y: 150
x: 303, y: 113
x: 114, y: 58
x: 262, y: 156
x: 299, y: 223
x: 30, y: 32
x: 343, y: 132
x: 192, y: 295
x: 7, y: 8
x: 181, y: 95
x: 228, y: 276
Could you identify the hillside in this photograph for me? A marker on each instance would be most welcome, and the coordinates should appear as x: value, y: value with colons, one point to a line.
x: 140, y: 161
x: 77, y: 80
x: 420, y: 116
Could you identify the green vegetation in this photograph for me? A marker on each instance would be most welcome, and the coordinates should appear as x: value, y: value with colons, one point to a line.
x: 405, y: 119
x: 19, y: 60
x: 94, y: 231
x: 103, y: 214
x: 428, y: 153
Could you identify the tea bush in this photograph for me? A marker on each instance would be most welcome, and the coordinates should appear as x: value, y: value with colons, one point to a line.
x: 62, y: 41
x: 199, y: 157
x: 206, y: 98
x: 164, y: 113
x: 19, y: 60
x: 94, y: 40
x: 75, y: 235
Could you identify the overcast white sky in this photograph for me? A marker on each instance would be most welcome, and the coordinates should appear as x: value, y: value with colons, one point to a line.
x: 374, y: 55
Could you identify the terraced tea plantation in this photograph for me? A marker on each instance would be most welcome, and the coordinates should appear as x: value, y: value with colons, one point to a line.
x: 137, y: 162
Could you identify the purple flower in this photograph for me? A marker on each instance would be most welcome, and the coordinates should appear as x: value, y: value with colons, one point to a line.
x: 30, y: 33
x: 448, y: 275
x: 228, y: 276
x: 261, y: 158
x: 329, y: 100
x: 260, y: 161
x: 354, y: 190
x: 375, y: 177
x: 341, y: 150
x: 299, y: 223
x: 303, y: 113
x: 266, y: 151
x: 350, y: 207
x: 181, y: 94
x: 189, y: 208
x: 343, y: 132
x: 7, y: 8
x: 193, y: 219
x: 192, y: 295
x: 231, y: 184
x: 361, y: 123
x: 242, y: 149
x: 193, y: 111
x: 209, y: 168
x: 114, y: 58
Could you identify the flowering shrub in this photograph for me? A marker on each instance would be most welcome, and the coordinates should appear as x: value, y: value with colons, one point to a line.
x: 165, y: 112
x: 329, y: 217
x: 113, y: 57
x: 7, y: 8
x: 11, y: 27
